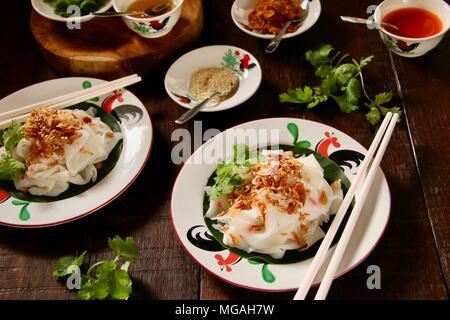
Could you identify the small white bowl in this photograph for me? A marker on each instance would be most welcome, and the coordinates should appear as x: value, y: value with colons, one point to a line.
x: 412, y: 47
x: 48, y: 11
x: 154, y: 27
x: 179, y: 75
x: 242, y: 8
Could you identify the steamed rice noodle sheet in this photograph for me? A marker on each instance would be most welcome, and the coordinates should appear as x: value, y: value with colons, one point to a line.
x: 279, y: 204
x: 61, y: 147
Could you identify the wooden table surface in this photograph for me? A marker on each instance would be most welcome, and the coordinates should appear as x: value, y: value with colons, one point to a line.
x: 414, y: 252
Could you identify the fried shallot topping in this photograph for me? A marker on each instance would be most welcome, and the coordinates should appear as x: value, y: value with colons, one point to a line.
x: 280, y: 176
x: 48, y: 129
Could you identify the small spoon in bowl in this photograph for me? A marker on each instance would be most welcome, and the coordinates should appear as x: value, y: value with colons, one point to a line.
x: 149, y: 12
x: 192, y: 112
x: 367, y: 21
x: 119, y: 14
x: 273, y: 45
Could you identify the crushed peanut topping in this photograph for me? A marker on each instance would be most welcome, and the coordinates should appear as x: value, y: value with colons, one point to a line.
x: 48, y: 129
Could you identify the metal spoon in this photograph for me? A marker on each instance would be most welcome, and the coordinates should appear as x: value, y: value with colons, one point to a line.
x: 367, y: 21
x: 148, y: 12
x: 118, y: 14
x: 273, y: 45
x: 192, y: 112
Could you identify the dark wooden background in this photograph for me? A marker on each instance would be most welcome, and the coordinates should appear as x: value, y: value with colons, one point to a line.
x: 413, y: 254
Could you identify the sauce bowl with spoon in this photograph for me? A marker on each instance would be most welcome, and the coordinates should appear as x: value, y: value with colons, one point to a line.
x: 147, y: 22
x: 422, y: 24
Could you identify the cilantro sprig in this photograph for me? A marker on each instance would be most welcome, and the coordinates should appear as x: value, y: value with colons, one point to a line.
x: 10, y: 168
x: 86, y: 7
x: 105, y: 279
x: 342, y: 82
x: 231, y: 173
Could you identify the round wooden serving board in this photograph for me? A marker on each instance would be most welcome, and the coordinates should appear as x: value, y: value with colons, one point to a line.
x: 106, y: 48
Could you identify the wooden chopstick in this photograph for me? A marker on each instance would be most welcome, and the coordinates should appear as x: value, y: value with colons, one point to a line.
x: 72, y: 98
x: 57, y: 100
x: 321, y: 254
x: 350, y: 226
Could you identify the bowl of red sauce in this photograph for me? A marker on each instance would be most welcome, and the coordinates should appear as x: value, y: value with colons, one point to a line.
x: 422, y: 24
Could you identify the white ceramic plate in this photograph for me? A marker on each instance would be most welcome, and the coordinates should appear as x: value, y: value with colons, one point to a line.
x: 188, y: 192
x: 47, y: 11
x: 242, y: 8
x: 138, y: 134
x: 179, y: 74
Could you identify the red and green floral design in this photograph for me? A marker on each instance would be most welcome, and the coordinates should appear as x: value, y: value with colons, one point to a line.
x: 153, y: 26
x: 399, y: 45
x: 24, y: 214
x: 237, y: 60
x: 227, y: 262
x: 266, y: 274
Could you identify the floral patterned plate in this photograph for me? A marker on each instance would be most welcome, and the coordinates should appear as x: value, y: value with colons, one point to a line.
x: 245, y: 64
x: 188, y: 192
x: 136, y: 128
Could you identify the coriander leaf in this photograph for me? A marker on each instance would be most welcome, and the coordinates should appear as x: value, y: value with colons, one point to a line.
x: 298, y: 95
x: 84, y: 293
x: 328, y: 87
x: 105, y: 269
x: 319, y: 56
x: 226, y: 180
x: 1, y: 137
x: 9, y: 167
x: 373, y: 115
x: 12, y: 136
x: 353, y: 91
x: 365, y: 61
x: 343, y: 82
x: 62, y: 267
x: 323, y: 71
x: 230, y: 174
x: 98, y: 287
x: 94, y: 289
x: 126, y: 249
x: 344, y: 105
x: 397, y: 110
x: 383, y: 98
x: 86, y: 6
x: 344, y: 73
x: 319, y: 97
x: 120, y: 285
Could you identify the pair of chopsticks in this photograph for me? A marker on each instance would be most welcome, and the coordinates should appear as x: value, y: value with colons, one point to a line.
x: 378, y: 146
x: 67, y: 100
